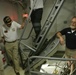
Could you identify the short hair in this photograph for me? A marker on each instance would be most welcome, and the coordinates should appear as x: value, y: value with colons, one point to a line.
x: 73, y: 17
x: 7, y: 19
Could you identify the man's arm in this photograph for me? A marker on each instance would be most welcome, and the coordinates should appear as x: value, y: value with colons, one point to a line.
x: 61, y: 39
x: 25, y: 16
x: 23, y: 23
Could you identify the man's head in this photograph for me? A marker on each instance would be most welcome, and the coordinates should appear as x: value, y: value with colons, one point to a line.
x: 7, y: 20
x: 73, y: 23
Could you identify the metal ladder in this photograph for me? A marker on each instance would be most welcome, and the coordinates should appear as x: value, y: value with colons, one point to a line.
x: 42, y: 36
x: 47, y: 25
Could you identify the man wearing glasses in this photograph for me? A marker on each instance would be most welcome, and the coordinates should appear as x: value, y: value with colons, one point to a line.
x: 70, y: 38
x: 9, y: 35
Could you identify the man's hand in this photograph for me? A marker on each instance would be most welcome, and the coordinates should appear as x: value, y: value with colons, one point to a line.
x: 61, y: 39
x: 25, y: 16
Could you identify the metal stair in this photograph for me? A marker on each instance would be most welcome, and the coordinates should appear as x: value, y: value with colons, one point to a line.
x: 42, y: 36
x: 48, y: 51
x: 49, y: 21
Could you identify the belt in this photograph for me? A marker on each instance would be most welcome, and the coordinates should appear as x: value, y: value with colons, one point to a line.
x: 10, y: 41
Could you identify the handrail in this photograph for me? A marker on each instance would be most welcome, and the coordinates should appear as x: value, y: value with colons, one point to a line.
x: 52, y: 58
x: 49, y: 58
x: 28, y: 35
x: 28, y: 47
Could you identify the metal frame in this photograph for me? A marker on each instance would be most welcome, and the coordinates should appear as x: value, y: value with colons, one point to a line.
x: 49, y: 58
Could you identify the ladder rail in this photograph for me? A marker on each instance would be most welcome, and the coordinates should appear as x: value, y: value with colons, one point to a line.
x: 48, y: 16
